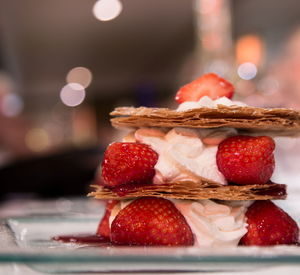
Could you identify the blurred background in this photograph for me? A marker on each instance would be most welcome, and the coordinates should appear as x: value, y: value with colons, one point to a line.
x: 64, y: 65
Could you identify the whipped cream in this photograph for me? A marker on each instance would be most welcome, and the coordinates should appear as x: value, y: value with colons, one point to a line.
x: 215, y: 224
x: 206, y: 101
x: 212, y: 223
x: 184, y: 154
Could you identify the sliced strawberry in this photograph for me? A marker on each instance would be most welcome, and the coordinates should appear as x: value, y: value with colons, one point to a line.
x: 151, y: 221
x: 103, y: 227
x: 128, y: 162
x: 246, y: 159
x: 206, y: 85
x: 269, y: 225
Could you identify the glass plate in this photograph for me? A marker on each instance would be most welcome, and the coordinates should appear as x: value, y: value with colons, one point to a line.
x: 29, y: 240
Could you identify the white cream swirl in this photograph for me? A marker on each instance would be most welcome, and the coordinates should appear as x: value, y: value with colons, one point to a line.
x: 185, y: 154
x: 206, y: 101
x: 215, y: 224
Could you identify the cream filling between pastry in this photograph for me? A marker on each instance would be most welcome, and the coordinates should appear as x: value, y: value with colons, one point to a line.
x: 184, y: 154
x: 206, y: 101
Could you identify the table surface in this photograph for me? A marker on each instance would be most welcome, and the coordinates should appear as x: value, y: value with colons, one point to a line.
x: 25, y: 207
x: 19, y: 269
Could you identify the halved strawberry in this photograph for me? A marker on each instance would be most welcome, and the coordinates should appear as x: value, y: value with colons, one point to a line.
x: 151, y: 221
x: 128, y: 162
x: 246, y: 159
x: 269, y: 225
x: 103, y: 227
x: 206, y: 85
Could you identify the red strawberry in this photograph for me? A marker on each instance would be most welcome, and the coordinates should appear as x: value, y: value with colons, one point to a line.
x: 246, y: 159
x: 151, y: 221
x: 206, y: 85
x: 269, y: 225
x: 126, y: 162
x: 103, y: 227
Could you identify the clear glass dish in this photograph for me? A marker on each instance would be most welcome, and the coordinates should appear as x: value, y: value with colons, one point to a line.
x: 29, y: 240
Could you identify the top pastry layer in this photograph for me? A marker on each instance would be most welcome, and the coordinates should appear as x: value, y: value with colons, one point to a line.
x: 275, y: 121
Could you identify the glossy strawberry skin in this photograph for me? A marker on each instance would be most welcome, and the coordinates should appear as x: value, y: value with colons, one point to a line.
x: 152, y: 222
x: 206, y: 85
x: 128, y: 162
x: 269, y: 225
x: 103, y: 227
x: 246, y: 160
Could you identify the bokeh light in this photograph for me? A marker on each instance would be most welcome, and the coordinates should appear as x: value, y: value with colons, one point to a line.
x: 247, y: 71
x: 80, y: 75
x: 249, y: 48
x: 11, y: 105
x: 72, y: 94
x: 105, y: 10
x: 37, y: 139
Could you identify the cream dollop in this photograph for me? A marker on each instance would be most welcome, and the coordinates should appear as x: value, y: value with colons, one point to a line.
x: 215, y: 224
x: 212, y: 223
x: 185, y: 154
x: 206, y: 101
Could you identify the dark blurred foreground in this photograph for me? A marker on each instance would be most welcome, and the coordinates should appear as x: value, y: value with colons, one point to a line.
x: 66, y: 173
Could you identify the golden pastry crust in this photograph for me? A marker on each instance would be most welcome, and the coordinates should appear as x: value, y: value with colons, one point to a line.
x: 276, y: 121
x: 192, y: 191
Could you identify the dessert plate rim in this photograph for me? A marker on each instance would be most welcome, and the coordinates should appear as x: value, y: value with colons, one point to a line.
x: 44, y: 254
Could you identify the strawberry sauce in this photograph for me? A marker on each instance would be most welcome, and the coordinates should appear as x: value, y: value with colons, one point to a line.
x: 278, y: 190
x: 83, y: 239
x: 124, y: 189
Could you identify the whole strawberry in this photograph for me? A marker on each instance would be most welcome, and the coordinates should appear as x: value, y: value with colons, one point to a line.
x: 269, y: 225
x: 151, y: 221
x: 128, y: 162
x: 206, y: 85
x: 103, y: 227
x: 246, y: 159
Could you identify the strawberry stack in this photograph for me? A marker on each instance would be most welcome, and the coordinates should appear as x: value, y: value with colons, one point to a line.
x: 199, y: 175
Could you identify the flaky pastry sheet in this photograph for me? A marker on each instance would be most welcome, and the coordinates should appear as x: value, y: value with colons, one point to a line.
x: 277, y: 121
x: 192, y: 191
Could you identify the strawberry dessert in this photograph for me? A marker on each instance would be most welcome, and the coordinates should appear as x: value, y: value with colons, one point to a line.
x: 200, y: 175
